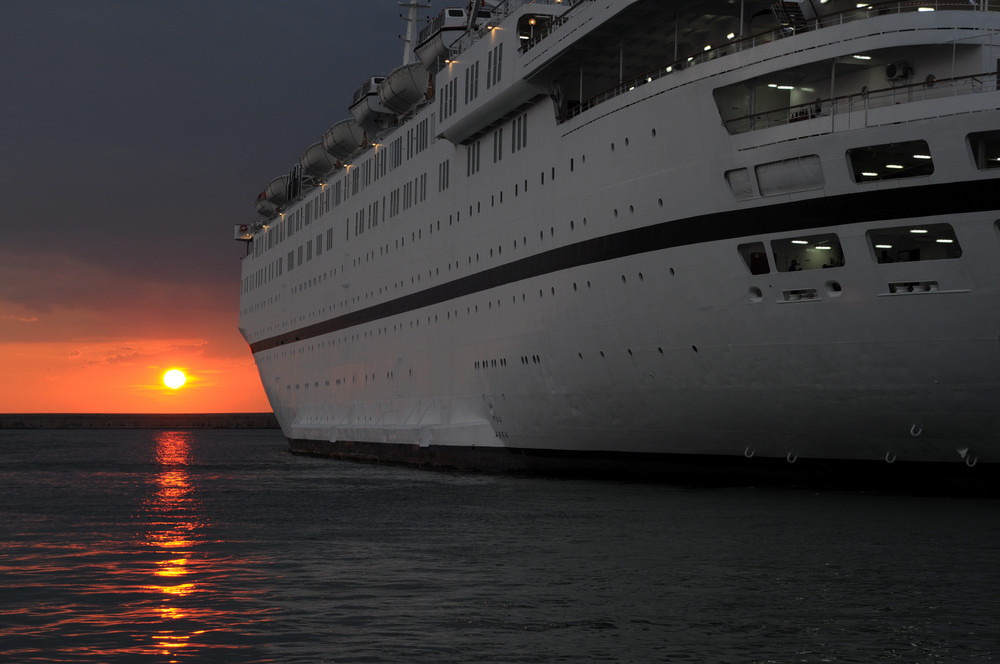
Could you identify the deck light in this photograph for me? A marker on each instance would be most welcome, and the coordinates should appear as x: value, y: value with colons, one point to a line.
x: 921, y: 156
x: 800, y: 242
x: 731, y: 35
x: 895, y: 166
x: 862, y: 57
x: 920, y: 231
x: 869, y: 174
x: 708, y: 47
x: 823, y: 247
x: 944, y: 240
x: 883, y: 246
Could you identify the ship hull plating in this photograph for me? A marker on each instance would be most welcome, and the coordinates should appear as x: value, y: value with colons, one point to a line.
x: 584, y: 296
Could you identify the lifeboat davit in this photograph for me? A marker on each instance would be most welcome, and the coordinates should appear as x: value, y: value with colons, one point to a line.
x: 316, y: 162
x: 404, y: 88
x: 344, y: 139
x: 367, y: 108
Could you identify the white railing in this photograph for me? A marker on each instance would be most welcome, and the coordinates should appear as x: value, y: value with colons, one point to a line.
x: 723, y: 49
x: 901, y: 94
x: 498, y: 14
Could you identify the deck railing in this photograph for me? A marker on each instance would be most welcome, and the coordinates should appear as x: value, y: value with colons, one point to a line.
x: 932, y: 88
x: 729, y: 47
x: 499, y: 13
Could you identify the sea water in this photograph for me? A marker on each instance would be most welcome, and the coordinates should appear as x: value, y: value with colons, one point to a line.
x: 220, y: 546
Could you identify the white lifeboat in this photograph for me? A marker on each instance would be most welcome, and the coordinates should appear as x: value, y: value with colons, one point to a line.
x: 273, y: 197
x: 367, y: 108
x: 277, y: 190
x: 316, y: 162
x: 344, y: 139
x: 265, y: 208
x: 404, y: 88
x: 438, y: 36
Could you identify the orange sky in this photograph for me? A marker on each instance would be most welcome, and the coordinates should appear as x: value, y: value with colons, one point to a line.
x: 126, y: 376
x: 104, y: 348
x: 127, y: 156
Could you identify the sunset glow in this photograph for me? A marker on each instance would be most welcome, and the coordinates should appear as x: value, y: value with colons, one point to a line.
x: 127, y: 377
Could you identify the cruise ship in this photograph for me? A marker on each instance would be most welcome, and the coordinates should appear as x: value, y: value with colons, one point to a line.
x: 636, y: 235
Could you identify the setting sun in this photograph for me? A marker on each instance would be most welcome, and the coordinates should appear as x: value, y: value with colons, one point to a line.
x: 174, y: 378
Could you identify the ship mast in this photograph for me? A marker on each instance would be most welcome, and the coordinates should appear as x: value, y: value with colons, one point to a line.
x: 409, y: 43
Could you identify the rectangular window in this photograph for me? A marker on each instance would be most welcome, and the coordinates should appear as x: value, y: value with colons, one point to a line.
x: 309, y: 250
x: 890, y: 161
x: 319, y: 245
x: 755, y: 257
x: 985, y: 147
x: 904, y: 244
x: 443, y: 168
x: 807, y: 252
x: 740, y: 184
x: 497, y: 62
x: 790, y: 175
x: 329, y: 239
x: 472, y: 159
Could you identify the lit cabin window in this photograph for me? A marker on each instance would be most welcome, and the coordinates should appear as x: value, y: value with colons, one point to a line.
x: 985, y: 147
x: 807, y: 252
x: 904, y: 244
x: 891, y: 161
x: 755, y: 257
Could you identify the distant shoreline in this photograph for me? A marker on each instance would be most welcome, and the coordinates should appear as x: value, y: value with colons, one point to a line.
x: 138, y: 421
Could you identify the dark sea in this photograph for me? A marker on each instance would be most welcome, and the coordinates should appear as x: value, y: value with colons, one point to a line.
x: 221, y: 546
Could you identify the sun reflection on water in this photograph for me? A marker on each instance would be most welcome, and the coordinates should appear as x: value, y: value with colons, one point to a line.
x: 174, y: 524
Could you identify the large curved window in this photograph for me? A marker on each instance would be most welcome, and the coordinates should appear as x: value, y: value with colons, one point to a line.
x: 985, y: 146
x: 917, y: 242
x: 890, y: 161
x: 807, y: 252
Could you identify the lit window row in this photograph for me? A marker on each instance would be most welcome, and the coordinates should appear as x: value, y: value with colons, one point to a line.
x: 901, y: 244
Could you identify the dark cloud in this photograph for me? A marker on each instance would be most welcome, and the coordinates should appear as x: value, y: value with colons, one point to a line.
x: 136, y: 134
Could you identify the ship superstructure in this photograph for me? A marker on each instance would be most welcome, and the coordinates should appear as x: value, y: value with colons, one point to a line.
x: 624, y: 232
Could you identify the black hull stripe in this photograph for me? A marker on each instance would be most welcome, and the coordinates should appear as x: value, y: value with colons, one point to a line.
x: 874, y: 205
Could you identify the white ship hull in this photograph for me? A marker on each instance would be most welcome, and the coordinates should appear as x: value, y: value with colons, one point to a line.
x: 580, y: 296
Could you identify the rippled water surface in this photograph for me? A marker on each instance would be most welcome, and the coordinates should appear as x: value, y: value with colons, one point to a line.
x: 163, y: 546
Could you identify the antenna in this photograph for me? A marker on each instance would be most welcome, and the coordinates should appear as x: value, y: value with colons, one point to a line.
x: 411, y: 28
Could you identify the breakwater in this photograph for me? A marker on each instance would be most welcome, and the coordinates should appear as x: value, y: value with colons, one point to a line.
x: 138, y: 421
